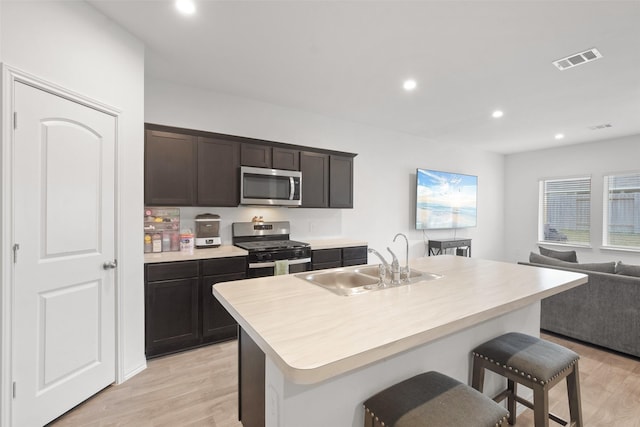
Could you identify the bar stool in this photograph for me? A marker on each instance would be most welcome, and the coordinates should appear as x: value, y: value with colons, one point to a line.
x: 534, y: 363
x: 432, y: 399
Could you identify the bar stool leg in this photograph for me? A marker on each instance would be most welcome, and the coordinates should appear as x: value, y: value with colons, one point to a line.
x: 511, y: 401
x: 573, y: 391
x: 477, y: 379
x: 541, y: 406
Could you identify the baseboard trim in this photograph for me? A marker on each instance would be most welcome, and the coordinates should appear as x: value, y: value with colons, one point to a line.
x: 133, y: 372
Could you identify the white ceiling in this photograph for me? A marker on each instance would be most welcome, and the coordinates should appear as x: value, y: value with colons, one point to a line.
x: 348, y: 59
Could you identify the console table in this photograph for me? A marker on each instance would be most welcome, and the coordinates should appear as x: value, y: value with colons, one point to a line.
x: 438, y: 247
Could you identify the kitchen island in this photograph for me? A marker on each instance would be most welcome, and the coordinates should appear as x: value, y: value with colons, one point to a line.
x: 325, y: 354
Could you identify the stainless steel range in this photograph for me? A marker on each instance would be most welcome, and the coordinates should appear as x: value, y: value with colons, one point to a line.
x: 268, y: 244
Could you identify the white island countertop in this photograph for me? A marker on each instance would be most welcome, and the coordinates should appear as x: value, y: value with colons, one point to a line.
x: 312, y: 334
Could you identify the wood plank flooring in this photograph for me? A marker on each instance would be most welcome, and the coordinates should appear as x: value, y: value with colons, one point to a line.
x: 609, y: 387
x: 193, y: 388
x: 199, y: 388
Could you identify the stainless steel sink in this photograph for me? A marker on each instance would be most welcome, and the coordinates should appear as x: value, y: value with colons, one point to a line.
x: 413, y: 277
x: 342, y: 281
x: 359, y: 279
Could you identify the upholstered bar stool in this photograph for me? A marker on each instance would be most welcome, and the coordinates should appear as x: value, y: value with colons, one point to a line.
x: 534, y: 363
x: 432, y: 400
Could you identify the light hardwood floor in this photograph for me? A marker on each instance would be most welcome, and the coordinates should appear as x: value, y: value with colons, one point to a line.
x: 199, y: 388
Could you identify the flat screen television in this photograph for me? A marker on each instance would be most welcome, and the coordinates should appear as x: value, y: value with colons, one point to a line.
x: 445, y: 200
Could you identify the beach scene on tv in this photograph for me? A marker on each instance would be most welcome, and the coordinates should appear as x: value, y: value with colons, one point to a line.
x: 445, y: 200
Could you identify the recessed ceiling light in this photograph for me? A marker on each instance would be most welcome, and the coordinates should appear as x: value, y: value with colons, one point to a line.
x: 409, y: 85
x: 559, y: 136
x: 186, y: 7
x: 497, y: 114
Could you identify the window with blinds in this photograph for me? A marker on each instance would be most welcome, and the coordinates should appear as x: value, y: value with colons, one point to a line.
x: 565, y: 210
x: 621, y: 216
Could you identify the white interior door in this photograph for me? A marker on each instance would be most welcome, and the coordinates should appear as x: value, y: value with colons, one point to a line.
x: 64, y: 297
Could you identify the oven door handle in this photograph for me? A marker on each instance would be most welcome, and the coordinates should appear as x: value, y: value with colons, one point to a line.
x: 273, y: 264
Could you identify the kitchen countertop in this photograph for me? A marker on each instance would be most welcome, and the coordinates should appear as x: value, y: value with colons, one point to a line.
x: 334, y: 243
x: 221, y: 252
x: 312, y: 334
x: 231, y: 251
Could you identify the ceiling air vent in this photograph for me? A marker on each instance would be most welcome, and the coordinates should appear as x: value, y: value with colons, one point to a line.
x: 603, y: 126
x: 577, y: 59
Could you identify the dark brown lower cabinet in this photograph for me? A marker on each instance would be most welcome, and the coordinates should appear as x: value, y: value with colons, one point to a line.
x: 217, y: 323
x: 180, y: 310
x: 338, y: 257
x: 356, y: 255
x: 171, y: 317
x: 251, y: 382
x: 326, y: 258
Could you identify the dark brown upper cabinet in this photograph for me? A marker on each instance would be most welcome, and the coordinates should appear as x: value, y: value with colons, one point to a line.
x: 186, y: 167
x: 266, y: 156
x: 218, y: 176
x: 287, y: 159
x: 169, y: 168
x: 182, y: 169
x: 340, y: 182
x: 315, y: 179
x: 257, y: 155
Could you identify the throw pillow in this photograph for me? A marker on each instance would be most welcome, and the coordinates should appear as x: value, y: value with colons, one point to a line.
x: 628, y: 269
x: 601, y: 267
x: 569, y: 256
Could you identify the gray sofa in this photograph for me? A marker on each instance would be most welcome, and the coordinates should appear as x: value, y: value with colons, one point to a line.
x: 605, y: 311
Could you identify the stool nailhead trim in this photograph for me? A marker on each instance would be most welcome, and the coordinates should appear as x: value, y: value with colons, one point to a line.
x: 541, y: 382
x: 374, y: 416
x: 498, y: 423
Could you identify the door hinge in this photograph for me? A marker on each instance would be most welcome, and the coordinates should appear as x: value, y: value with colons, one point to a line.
x: 14, y: 389
x: 16, y: 247
x: 15, y: 120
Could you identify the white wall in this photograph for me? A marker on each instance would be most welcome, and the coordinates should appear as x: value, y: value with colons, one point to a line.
x: 384, y: 172
x: 70, y: 44
x: 524, y: 170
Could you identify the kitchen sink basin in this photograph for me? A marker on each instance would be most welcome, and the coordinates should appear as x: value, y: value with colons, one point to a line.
x: 342, y: 281
x: 414, y: 275
x: 358, y: 280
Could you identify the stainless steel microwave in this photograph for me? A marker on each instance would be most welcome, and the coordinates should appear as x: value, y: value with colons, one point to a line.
x: 271, y: 187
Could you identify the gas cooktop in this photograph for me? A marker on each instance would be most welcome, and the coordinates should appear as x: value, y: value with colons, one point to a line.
x: 269, y: 245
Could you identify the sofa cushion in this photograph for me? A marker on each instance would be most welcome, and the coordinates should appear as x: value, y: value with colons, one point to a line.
x: 628, y: 269
x: 602, y: 267
x: 569, y: 256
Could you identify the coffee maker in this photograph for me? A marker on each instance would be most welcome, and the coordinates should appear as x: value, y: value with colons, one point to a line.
x: 207, y: 230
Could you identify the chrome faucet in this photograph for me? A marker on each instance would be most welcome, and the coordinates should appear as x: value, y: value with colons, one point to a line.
x: 384, y: 265
x: 395, y: 268
x: 405, y: 270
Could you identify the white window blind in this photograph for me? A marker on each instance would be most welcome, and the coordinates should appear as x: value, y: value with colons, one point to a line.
x: 565, y: 207
x: 622, y: 210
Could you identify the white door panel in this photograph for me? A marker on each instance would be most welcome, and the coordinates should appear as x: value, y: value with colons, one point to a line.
x: 70, y: 150
x: 64, y: 301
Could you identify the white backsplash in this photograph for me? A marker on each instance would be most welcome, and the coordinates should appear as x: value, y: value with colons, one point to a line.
x: 305, y: 223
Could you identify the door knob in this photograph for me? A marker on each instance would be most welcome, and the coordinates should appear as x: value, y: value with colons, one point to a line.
x: 110, y: 265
